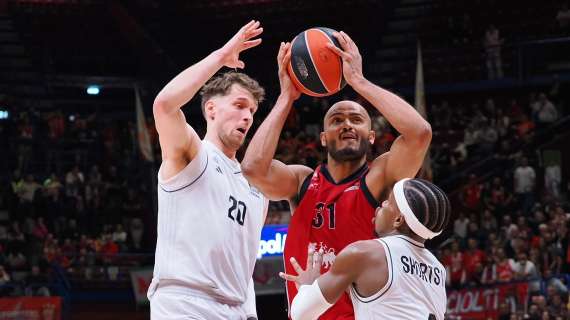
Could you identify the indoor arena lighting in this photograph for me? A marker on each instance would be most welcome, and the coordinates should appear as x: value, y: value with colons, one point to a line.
x: 93, y: 90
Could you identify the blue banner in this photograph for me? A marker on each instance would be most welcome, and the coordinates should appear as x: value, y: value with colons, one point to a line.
x: 272, y: 241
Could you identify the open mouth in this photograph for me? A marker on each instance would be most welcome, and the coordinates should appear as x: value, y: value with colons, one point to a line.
x: 348, y: 136
x: 242, y: 130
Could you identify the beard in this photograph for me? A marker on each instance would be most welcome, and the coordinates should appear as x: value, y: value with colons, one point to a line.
x: 349, y: 153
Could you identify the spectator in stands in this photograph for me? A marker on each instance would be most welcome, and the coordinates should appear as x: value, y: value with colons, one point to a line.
x: 524, y: 183
x: 489, y: 137
x: 136, y: 232
x: 120, y: 237
x: 16, y: 238
x: 493, y: 43
x: 27, y: 194
x: 471, y: 195
x: 36, y: 283
x: 474, y: 258
x: 26, y: 138
x: 525, y: 127
x: 16, y: 260
x: 563, y: 17
x: 74, y: 180
x: 497, y: 198
x: 52, y: 188
x: 525, y: 269
x: 503, y: 267
x: 552, y: 180
x: 5, y: 278
x: 544, y: 111
x: 40, y: 231
x: 460, y: 226
x: 109, y: 249
x: 453, y: 262
x: 488, y: 222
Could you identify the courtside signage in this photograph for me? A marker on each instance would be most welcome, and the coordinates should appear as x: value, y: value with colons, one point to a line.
x: 272, y: 241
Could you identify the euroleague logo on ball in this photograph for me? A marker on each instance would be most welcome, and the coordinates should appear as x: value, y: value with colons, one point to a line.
x: 302, y: 67
x: 315, y: 69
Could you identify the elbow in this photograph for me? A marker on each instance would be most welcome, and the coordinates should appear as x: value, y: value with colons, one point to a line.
x: 248, y: 168
x: 423, y: 134
x: 160, y: 105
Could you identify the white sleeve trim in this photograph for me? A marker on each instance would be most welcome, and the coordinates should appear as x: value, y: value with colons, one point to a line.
x: 187, y: 176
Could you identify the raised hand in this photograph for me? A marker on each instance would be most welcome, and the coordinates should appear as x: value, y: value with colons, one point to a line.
x: 283, y: 59
x: 239, y: 42
x: 351, y: 58
x: 310, y: 274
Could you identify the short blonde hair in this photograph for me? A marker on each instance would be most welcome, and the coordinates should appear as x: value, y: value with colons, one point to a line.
x: 222, y: 84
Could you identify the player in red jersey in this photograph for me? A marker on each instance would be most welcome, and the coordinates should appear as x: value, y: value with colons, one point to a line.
x: 334, y: 204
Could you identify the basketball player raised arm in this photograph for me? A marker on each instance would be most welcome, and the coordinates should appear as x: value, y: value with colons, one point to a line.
x: 179, y: 143
x: 320, y: 292
x: 273, y: 178
x: 407, y: 153
x: 415, y: 211
x: 178, y: 140
x: 282, y: 182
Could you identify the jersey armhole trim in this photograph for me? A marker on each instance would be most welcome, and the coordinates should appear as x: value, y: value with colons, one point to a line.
x: 367, y: 194
x: 193, y: 181
x: 304, y: 187
x: 388, y: 284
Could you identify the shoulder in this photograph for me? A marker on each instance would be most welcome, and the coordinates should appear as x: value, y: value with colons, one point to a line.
x: 363, y: 250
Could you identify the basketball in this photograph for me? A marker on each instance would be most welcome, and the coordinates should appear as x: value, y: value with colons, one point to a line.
x: 315, y: 69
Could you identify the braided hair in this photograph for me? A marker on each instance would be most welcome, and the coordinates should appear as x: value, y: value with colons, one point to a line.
x: 429, y: 203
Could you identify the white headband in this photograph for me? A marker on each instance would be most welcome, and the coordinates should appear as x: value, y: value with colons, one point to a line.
x: 416, y: 226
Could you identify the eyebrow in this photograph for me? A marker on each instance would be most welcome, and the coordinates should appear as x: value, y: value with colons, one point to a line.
x: 242, y: 99
x: 351, y: 114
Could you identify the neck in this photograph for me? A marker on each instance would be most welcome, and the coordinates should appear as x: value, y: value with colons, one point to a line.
x: 213, y: 137
x: 339, y: 170
x: 414, y: 236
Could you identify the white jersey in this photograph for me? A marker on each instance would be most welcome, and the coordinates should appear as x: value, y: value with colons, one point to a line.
x: 209, y: 227
x: 415, y: 289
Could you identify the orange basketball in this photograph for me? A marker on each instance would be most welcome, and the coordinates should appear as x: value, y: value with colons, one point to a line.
x: 315, y: 69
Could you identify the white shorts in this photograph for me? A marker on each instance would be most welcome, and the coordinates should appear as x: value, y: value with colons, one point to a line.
x: 177, y: 303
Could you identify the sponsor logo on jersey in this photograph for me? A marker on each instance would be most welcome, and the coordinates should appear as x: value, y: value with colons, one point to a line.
x: 355, y: 187
x: 329, y: 254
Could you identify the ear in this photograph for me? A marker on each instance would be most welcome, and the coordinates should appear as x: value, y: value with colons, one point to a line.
x: 399, y: 221
x: 371, y: 136
x: 210, y: 110
x: 323, y: 139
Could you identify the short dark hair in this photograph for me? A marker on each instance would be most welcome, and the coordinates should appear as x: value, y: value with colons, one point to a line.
x: 222, y: 84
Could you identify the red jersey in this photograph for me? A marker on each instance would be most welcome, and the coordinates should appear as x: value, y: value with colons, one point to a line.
x: 329, y: 216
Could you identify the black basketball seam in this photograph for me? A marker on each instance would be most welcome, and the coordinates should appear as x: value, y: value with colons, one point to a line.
x: 340, y: 63
x: 313, y: 61
x: 293, y: 69
x: 313, y: 84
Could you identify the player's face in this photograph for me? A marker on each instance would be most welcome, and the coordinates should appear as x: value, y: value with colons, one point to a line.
x: 348, y: 133
x: 233, y: 116
x: 385, y: 216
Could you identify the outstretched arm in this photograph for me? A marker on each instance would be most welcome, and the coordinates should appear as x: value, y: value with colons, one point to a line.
x: 319, y: 292
x: 178, y: 141
x: 407, y: 153
x: 274, y: 179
